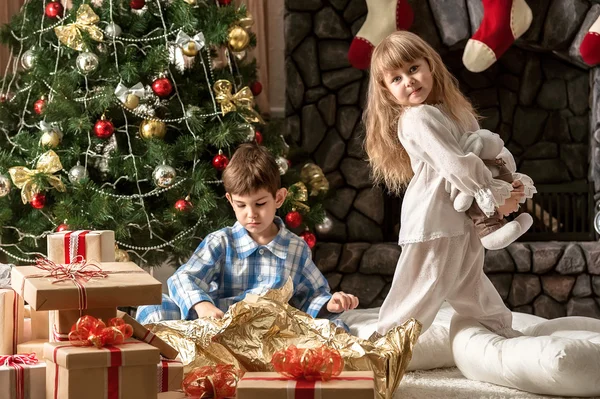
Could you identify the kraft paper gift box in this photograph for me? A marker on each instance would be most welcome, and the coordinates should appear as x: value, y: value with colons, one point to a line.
x: 23, y: 381
x: 97, y: 246
x: 125, y: 371
x: 125, y: 284
x: 36, y: 346
x: 11, y: 321
x: 36, y: 325
x: 61, y: 321
x: 348, y: 385
x: 172, y: 395
x: 143, y: 334
x: 169, y: 375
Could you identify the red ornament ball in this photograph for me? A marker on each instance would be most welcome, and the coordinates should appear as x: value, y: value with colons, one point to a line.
x: 162, y: 87
x: 54, y: 9
x: 258, y: 137
x: 183, y: 205
x: 62, y: 227
x: 293, y: 219
x: 39, y: 106
x: 310, y: 239
x: 103, y: 129
x: 256, y: 88
x: 224, y: 2
x: 137, y: 4
x: 220, y: 162
x: 38, y: 201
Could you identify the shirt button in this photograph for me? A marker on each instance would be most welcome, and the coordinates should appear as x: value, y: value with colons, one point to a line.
x: 261, y: 251
x: 260, y: 278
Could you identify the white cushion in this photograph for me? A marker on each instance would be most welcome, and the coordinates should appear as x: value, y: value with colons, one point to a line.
x: 557, y: 357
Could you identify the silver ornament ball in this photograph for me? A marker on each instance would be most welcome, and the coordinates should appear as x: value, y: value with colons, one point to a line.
x: 248, y: 130
x: 113, y: 30
x: 87, y: 62
x: 164, y: 175
x: 27, y: 59
x: 239, y: 55
x: 282, y: 164
x: 325, y: 226
x: 77, y: 174
x: 4, y: 186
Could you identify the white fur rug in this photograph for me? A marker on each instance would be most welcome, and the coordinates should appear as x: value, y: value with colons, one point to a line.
x: 449, y: 383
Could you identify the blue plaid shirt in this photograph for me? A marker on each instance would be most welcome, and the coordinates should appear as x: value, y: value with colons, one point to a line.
x: 228, y: 264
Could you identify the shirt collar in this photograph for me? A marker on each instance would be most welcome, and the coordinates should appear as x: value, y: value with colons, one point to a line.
x: 245, y: 245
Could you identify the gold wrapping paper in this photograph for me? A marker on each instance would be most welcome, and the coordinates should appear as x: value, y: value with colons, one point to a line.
x: 61, y: 321
x: 99, y: 246
x: 126, y: 285
x: 83, y: 372
x: 34, y: 381
x: 35, y: 346
x: 11, y: 321
x: 258, y: 386
x: 143, y: 334
x: 254, y: 329
x: 169, y: 375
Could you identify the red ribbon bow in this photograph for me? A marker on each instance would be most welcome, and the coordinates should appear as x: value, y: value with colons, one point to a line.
x: 78, y: 271
x: 310, y: 364
x: 11, y: 360
x: 88, y: 331
x: 215, y: 382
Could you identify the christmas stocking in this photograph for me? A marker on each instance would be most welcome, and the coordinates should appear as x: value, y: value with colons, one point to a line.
x: 383, y: 18
x: 590, y: 46
x: 503, y: 22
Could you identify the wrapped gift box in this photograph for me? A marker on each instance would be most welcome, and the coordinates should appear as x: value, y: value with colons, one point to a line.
x: 172, y: 395
x: 170, y: 375
x: 36, y: 346
x: 61, y: 321
x: 125, y: 285
x: 126, y: 371
x: 97, y: 246
x: 35, y: 325
x: 11, y: 321
x: 23, y: 381
x: 348, y: 385
x: 143, y: 334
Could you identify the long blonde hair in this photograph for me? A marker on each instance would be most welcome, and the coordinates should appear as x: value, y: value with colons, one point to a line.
x: 389, y: 161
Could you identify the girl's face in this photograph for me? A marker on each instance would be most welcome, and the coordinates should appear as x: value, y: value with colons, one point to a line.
x: 412, y: 84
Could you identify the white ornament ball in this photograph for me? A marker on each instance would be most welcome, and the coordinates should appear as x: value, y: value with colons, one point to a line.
x: 164, y: 175
x: 113, y: 30
x: 87, y: 62
x: 325, y: 226
x: 77, y: 174
x: 282, y: 164
x: 27, y: 59
x: 4, y: 186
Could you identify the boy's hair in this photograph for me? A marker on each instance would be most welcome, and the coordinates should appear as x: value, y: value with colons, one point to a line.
x: 251, y: 168
x: 388, y: 159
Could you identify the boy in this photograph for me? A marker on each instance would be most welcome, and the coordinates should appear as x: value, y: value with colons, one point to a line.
x: 256, y: 254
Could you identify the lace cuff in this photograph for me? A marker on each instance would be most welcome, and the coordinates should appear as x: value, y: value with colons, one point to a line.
x: 493, y: 196
x: 529, y: 187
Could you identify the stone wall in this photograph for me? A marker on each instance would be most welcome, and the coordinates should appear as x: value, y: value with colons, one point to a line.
x: 537, y: 96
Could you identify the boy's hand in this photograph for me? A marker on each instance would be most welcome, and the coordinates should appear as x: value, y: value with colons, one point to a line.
x: 207, y: 309
x: 340, y: 302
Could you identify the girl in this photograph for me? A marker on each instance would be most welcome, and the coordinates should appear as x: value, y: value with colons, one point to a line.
x: 415, y: 117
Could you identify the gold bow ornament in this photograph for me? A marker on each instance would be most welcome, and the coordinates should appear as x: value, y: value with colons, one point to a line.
x: 242, y: 101
x: 313, y: 175
x: 298, y: 194
x: 33, y: 181
x: 70, y: 35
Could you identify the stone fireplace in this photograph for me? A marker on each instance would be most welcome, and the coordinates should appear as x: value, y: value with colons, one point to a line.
x: 540, y: 97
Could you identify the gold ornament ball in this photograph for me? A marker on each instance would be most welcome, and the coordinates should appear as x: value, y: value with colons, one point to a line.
x: 238, y: 38
x: 153, y: 129
x: 50, y: 139
x: 132, y: 101
x: 190, y: 49
x: 121, y: 255
x: 247, y: 21
x: 191, y: 2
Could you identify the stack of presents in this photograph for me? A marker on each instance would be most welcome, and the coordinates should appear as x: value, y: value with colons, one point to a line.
x: 44, y: 303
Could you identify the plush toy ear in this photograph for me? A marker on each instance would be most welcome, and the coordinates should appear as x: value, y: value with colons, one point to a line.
x: 471, y: 142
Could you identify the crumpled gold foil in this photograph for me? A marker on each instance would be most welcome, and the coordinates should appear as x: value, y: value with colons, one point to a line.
x: 254, y: 329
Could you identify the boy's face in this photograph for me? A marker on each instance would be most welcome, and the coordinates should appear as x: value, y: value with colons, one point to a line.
x: 256, y: 211
x: 412, y: 84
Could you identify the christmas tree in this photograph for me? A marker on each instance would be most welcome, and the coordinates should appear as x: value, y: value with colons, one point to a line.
x: 121, y: 115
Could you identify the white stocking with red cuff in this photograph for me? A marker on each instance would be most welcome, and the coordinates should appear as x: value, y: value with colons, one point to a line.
x: 384, y: 17
x: 503, y: 22
x: 590, y: 46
